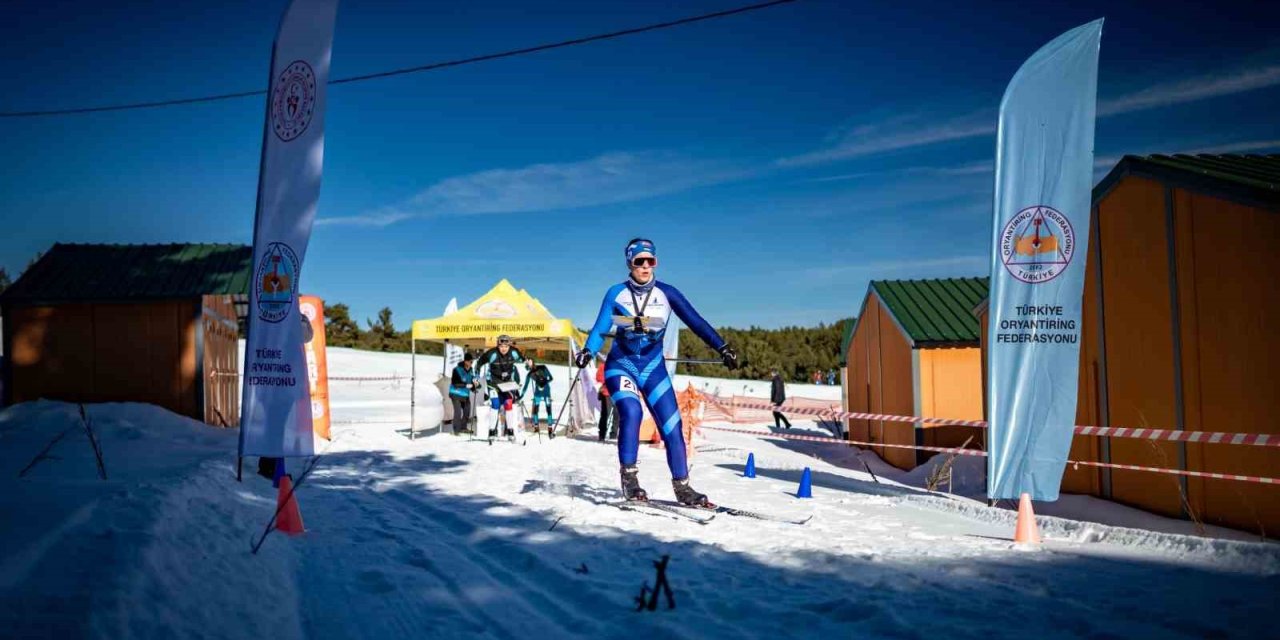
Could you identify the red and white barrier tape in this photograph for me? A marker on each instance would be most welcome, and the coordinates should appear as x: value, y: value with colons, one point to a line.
x: 975, y: 452
x: 1179, y: 472
x: 790, y: 436
x: 1208, y: 437
x: 228, y: 374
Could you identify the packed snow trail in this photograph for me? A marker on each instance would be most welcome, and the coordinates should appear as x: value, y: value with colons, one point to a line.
x: 449, y: 538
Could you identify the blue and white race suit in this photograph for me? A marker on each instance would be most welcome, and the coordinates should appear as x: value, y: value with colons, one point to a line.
x: 635, y: 370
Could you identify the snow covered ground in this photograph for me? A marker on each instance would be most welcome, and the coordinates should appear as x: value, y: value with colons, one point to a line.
x: 444, y: 537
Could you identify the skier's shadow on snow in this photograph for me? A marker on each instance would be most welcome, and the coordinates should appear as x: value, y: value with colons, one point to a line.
x: 578, y: 490
x: 828, y: 480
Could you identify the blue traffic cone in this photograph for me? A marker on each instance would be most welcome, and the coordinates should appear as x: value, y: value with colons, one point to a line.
x: 806, y: 485
x: 750, y: 471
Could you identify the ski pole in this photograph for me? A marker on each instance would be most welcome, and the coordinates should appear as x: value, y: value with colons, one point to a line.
x: 693, y: 361
x: 564, y: 406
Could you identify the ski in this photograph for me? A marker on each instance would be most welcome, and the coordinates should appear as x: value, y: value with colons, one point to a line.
x: 663, y: 510
x: 741, y: 513
x: 762, y: 516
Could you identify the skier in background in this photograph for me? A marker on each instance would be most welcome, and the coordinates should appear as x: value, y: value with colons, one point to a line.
x: 635, y: 370
x: 540, y: 376
x: 501, y: 361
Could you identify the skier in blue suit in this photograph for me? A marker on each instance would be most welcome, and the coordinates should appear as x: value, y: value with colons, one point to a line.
x: 540, y: 377
x: 635, y: 371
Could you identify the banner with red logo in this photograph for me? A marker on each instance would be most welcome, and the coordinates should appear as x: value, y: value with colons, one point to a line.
x: 1044, y: 176
x: 276, y: 414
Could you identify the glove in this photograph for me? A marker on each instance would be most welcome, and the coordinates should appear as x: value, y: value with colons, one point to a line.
x: 729, y: 356
x: 582, y: 358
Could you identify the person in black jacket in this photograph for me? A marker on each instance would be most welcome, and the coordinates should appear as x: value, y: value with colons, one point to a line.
x: 777, y: 396
x: 501, y: 361
x: 461, y: 383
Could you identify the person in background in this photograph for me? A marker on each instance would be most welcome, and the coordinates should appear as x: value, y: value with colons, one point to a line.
x: 461, y: 383
x: 777, y: 396
x: 608, y: 421
x: 501, y: 362
x: 831, y: 377
x: 540, y: 376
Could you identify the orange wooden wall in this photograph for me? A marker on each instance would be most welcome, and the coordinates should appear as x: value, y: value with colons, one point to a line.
x: 107, y: 352
x: 1139, y: 340
x: 1230, y: 352
x: 880, y: 381
x: 221, y: 362
x: 951, y: 387
x: 858, y: 389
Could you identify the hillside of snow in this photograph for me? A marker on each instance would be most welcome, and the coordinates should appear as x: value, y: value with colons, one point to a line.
x: 448, y: 537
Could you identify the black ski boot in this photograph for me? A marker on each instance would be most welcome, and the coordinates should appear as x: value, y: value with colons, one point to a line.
x: 631, y: 490
x: 687, y: 496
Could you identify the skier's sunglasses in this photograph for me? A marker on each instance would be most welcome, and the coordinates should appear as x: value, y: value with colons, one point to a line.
x: 504, y: 342
x: 644, y: 262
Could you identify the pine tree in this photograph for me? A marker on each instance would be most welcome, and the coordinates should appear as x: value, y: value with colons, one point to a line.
x: 339, y: 329
x: 382, y: 334
x: 796, y: 352
x: 4, y: 280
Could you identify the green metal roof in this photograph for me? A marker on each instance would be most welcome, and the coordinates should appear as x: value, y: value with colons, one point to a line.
x: 937, y: 312
x: 1252, y: 170
x: 1249, y: 179
x: 120, y: 272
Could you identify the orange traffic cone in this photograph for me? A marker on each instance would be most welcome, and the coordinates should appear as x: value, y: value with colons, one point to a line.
x: 656, y: 440
x: 288, y: 517
x: 1026, y: 532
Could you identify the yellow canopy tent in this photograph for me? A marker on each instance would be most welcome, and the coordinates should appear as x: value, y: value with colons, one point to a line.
x: 503, y: 310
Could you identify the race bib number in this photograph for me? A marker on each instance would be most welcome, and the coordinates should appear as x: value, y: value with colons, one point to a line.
x: 626, y: 384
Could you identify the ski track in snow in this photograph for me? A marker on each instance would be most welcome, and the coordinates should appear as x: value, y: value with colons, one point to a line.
x: 444, y: 537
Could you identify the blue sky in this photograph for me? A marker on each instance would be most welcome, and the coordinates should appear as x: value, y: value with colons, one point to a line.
x: 779, y: 159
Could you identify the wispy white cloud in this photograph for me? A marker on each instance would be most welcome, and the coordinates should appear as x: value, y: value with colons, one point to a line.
x: 376, y: 219
x: 1192, y: 90
x: 899, y: 132
x: 605, y: 179
x: 895, y: 134
x: 967, y: 169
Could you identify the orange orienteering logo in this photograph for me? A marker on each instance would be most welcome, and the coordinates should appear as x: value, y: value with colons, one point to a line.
x: 276, y: 283
x: 1037, y: 244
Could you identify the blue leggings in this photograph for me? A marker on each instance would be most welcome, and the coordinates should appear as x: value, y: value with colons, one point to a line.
x: 631, y: 378
x: 539, y: 400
